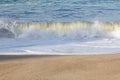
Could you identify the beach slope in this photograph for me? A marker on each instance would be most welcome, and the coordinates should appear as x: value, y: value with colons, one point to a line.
x: 82, y: 67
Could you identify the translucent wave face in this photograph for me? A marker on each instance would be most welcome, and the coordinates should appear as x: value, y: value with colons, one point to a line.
x: 5, y: 33
x: 60, y: 30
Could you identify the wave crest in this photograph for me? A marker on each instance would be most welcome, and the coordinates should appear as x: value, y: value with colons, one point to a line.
x: 69, y: 30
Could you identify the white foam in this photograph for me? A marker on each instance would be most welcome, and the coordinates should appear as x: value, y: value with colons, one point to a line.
x: 51, y: 47
x: 116, y: 33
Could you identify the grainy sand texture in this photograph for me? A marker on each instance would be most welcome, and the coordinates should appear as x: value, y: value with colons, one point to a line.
x: 82, y: 67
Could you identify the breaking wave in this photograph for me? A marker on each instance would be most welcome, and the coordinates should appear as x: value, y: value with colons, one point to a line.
x: 64, y: 30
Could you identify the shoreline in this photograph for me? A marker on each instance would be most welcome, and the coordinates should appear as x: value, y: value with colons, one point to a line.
x: 25, y: 56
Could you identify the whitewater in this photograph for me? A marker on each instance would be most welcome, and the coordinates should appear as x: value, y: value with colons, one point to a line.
x: 56, y: 27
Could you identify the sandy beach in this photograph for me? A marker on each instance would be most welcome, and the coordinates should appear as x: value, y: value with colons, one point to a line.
x: 82, y: 67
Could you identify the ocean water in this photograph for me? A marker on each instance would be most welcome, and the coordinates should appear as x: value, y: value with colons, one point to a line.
x: 59, y: 26
x: 60, y: 10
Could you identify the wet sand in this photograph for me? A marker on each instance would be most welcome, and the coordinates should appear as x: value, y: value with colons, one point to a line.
x: 82, y: 67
